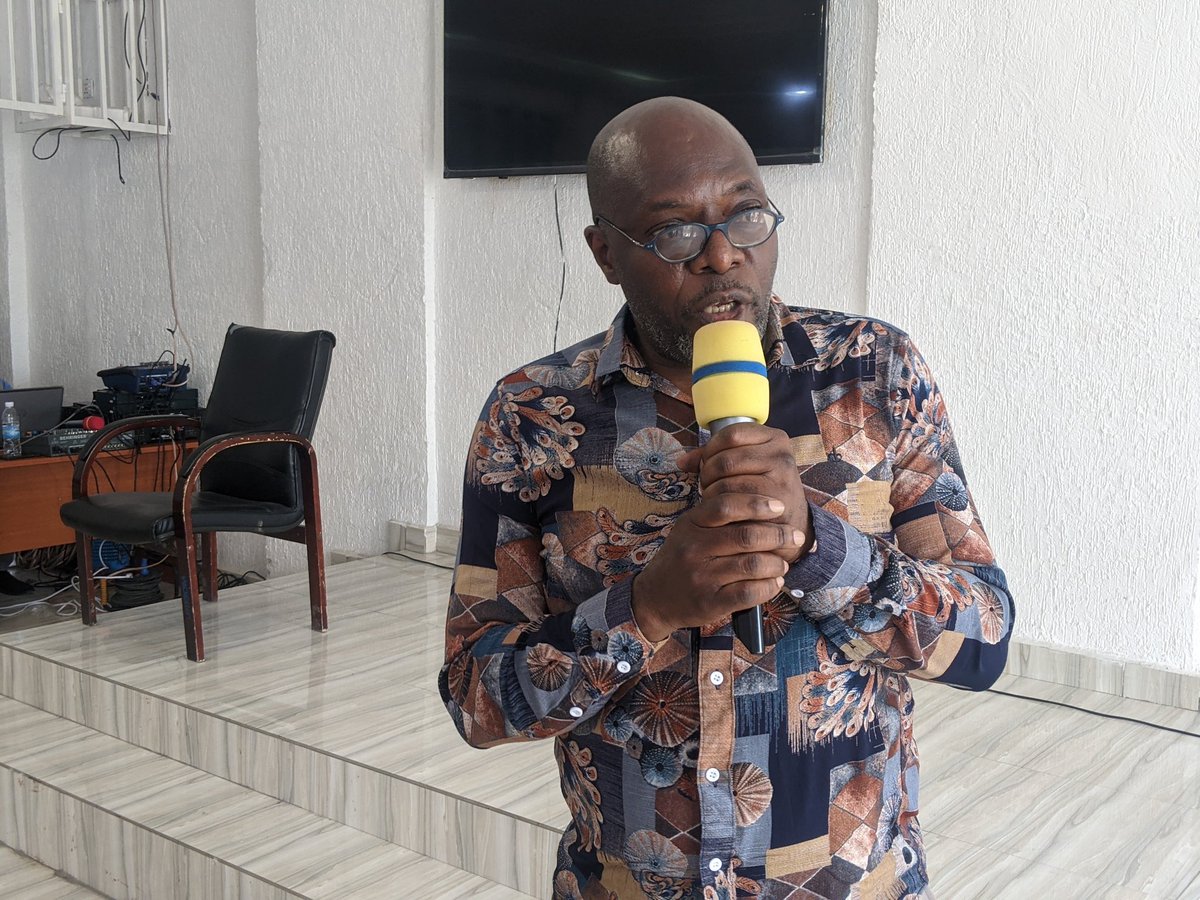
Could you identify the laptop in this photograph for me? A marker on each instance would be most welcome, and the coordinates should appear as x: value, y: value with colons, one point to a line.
x: 39, y: 409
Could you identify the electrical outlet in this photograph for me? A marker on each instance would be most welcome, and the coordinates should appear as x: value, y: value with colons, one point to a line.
x: 87, y: 89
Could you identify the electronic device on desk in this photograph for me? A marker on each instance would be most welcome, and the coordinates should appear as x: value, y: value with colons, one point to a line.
x: 39, y: 409
x: 63, y: 441
x: 145, y: 378
x: 117, y: 405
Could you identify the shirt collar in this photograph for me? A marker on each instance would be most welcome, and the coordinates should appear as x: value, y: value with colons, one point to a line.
x: 618, y: 353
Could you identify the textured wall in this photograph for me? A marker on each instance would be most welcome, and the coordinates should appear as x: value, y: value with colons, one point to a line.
x: 499, y: 287
x: 97, y: 279
x: 1035, y: 216
x: 1017, y: 187
x: 343, y: 117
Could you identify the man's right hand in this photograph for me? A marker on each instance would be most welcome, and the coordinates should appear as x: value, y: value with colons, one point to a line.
x: 721, y: 556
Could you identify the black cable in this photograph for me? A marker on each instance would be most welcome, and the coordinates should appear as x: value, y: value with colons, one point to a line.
x: 125, y: 134
x: 111, y: 484
x: 135, y: 590
x: 229, y: 580
x: 1094, y: 712
x: 416, y: 559
x: 562, y: 255
x: 137, y: 42
x: 58, y: 133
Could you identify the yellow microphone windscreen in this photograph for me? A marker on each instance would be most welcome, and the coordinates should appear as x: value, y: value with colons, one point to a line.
x: 729, y: 373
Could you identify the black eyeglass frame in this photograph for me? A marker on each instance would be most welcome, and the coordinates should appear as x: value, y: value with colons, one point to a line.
x: 723, y: 227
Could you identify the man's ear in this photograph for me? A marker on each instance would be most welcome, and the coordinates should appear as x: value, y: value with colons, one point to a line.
x: 601, y: 252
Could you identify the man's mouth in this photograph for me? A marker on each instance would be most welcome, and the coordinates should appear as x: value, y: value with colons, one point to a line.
x: 722, y: 309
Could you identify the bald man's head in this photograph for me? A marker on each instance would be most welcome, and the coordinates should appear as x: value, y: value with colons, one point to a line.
x: 661, y: 170
x: 637, y: 144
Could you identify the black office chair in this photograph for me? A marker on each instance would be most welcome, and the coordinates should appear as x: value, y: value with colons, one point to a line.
x: 253, y: 471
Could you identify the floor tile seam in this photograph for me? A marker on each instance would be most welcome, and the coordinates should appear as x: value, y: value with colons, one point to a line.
x: 149, y: 829
x: 1107, y: 882
x: 1038, y: 859
x: 57, y: 874
x: 989, y: 848
x: 189, y: 783
x: 1049, y: 706
x: 261, y: 731
x: 325, y: 823
x: 1107, y: 694
x: 1082, y: 779
x: 1059, y: 776
x: 1035, y: 861
x: 1100, y: 698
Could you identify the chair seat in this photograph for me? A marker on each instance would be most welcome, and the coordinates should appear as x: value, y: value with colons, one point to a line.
x: 143, y: 517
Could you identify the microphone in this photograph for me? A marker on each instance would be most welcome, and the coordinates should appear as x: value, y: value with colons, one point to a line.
x: 729, y: 385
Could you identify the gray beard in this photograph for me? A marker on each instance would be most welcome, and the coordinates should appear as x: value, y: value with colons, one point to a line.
x: 677, y: 347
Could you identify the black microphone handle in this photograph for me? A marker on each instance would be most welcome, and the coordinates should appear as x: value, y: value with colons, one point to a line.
x: 748, y: 626
x: 747, y: 623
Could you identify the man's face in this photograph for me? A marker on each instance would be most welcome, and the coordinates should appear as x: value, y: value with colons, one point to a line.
x: 670, y: 301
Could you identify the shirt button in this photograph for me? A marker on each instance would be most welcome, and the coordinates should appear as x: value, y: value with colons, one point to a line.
x: 623, y: 667
x: 713, y: 775
x: 576, y: 712
x: 717, y: 678
x: 714, y: 865
x: 797, y: 593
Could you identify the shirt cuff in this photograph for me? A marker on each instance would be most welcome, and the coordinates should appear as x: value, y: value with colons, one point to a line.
x: 842, y: 560
x: 611, y: 630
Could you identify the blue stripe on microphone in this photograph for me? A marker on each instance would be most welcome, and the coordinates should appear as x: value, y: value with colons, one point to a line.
x: 732, y: 365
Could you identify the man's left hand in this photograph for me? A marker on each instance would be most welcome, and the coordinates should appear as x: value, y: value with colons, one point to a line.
x: 748, y: 458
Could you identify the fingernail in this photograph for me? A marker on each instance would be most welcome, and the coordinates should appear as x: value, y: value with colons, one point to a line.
x: 779, y: 582
x: 775, y: 506
x: 797, y: 538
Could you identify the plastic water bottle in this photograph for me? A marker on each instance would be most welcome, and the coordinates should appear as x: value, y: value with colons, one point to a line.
x: 11, y: 427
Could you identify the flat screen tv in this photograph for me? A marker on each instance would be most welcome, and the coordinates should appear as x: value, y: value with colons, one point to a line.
x: 528, y: 83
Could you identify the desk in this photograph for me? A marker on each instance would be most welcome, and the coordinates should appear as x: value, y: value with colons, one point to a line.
x: 34, y: 487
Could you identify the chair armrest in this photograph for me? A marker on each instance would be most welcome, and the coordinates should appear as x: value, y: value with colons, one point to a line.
x: 92, y: 449
x: 189, y: 474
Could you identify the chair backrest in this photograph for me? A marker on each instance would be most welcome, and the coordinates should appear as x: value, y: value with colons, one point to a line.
x: 266, y: 381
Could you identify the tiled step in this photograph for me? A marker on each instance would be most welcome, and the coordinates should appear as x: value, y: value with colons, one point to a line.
x: 346, y: 725
x: 128, y: 822
x: 27, y: 879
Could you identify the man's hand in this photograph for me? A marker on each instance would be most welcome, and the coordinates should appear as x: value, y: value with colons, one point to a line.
x: 754, y: 459
x: 731, y: 551
x: 722, y: 555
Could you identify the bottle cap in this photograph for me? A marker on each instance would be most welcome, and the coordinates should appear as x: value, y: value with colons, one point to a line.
x: 7, y: 404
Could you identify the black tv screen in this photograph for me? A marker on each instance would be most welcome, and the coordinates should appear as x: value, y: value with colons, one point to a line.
x: 528, y: 83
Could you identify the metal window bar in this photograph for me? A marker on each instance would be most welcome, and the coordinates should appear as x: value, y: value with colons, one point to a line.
x: 31, y: 36
x: 64, y: 68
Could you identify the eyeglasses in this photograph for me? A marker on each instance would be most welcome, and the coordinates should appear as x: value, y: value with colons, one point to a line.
x: 684, y: 242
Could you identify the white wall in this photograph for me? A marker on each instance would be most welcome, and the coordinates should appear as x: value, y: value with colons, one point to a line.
x: 500, y: 291
x: 342, y: 107
x: 1035, y: 222
x: 1017, y: 187
x: 97, y: 282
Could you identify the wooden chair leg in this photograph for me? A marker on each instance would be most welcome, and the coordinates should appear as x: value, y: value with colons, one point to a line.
x: 316, y: 577
x: 314, y: 543
x: 185, y: 556
x: 208, y: 558
x: 87, y: 584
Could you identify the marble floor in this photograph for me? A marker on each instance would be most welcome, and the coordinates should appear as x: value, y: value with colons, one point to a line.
x: 21, y: 877
x: 1020, y: 799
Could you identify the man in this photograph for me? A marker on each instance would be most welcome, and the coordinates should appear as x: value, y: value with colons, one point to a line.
x: 607, y: 540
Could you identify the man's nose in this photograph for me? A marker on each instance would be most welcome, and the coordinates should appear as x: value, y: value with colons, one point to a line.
x: 718, y: 255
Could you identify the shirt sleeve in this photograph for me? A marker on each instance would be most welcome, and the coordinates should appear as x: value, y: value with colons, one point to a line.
x: 929, y: 599
x: 514, y: 668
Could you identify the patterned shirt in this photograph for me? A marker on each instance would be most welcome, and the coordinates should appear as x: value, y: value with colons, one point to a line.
x: 691, y: 767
